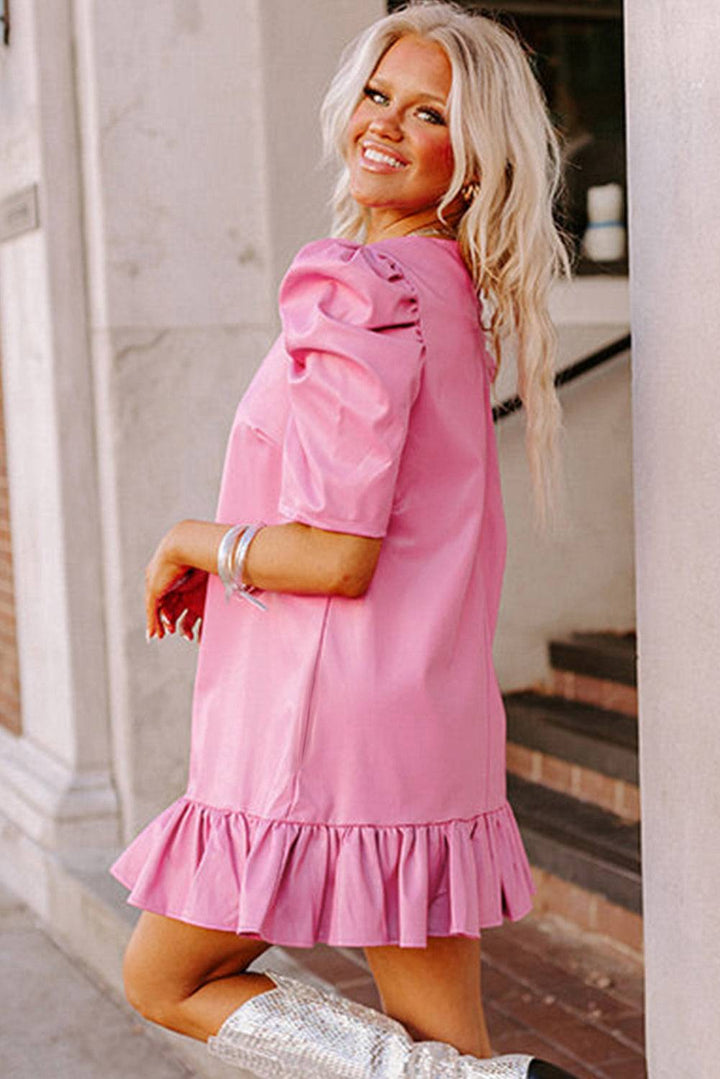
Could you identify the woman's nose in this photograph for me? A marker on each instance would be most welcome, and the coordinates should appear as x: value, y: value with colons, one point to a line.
x: 387, y: 123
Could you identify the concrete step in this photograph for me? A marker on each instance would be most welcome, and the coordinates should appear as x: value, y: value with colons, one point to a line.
x: 595, y: 738
x: 586, y: 860
x: 572, y: 759
x: 575, y: 748
x: 596, y: 668
x: 607, y: 656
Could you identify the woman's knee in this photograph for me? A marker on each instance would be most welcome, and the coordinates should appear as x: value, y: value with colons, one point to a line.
x: 155, y: 979
x: 434, y: 991
x: 143, y: 991
x: 166, y: 961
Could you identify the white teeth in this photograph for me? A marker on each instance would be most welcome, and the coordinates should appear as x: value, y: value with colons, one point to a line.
x: 377, y: 155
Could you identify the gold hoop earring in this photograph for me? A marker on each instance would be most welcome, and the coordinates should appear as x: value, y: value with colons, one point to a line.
x: 470, y: 190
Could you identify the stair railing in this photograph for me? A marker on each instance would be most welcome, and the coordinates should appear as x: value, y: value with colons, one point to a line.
x: 569, y: 373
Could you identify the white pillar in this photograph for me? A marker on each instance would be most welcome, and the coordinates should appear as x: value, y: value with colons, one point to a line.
x: 674, y: 149
x: 174, y: 147
x: 55, y: 780
x: 200, y: 150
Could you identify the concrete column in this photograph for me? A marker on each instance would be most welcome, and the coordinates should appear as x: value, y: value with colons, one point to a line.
x: 55, y: 780
x: 200, y: 149
x: 674, y: 149
x: 174, y: 147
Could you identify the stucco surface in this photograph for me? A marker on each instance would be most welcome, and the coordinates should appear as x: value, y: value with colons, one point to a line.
x: 674, y: 145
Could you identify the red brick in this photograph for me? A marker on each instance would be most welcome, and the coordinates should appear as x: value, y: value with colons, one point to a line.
x: 598, y: 691
x: 564, y: 684
x: 630, y: 1068
x: 590, y: 786
x: 500, y: 1024
x: 632, y: 1029
x: 532, y: 1043
x: 566, y: 900
x: 523, y: 762
x: 536, y: 975
x: 327, y: 963
x: 622, y: 925
x: 11, y: 719
x: 619, y: 698
x: 556, y: 773
x: 540, y: 997
x: 590, y: 690
x: 628, y: 804
x: 10, y: 713
x: 497, y: 986
x: 581, y: 1039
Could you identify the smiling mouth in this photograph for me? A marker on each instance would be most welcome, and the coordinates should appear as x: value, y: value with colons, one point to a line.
x: 373, y: 153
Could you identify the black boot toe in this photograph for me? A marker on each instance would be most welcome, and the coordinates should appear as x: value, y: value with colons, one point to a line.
x: 540, y: 1069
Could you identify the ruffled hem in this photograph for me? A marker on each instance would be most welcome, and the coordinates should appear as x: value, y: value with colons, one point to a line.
x: 297, y: 884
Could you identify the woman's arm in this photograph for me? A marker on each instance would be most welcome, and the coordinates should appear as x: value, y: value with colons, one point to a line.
x: 290, y: 557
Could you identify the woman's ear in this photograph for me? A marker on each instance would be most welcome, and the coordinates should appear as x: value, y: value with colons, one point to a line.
x: 470, y: 189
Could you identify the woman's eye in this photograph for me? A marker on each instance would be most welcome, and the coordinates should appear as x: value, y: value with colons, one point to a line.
x: 379, y: 98
x: 374, y: 95
x: 434, y: 117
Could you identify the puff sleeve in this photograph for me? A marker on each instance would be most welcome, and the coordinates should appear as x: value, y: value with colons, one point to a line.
x: 352, y: 336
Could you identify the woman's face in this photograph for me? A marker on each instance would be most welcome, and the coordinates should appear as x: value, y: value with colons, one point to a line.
x: 398, y: 147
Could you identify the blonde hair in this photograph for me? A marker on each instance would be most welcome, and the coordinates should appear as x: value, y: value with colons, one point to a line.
x: 501, y: 134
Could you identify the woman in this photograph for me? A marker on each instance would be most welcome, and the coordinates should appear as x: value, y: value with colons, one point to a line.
x: 347, y: 776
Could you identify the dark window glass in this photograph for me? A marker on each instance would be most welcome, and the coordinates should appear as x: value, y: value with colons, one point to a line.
x: 576, y: 50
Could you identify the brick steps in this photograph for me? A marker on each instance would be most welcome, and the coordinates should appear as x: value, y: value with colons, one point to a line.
x: 573, y: 783
x: 607, y: 656
x: 579, y: 842
x: 548, y: 991
x: 575, y: 748
x: 598, y: 669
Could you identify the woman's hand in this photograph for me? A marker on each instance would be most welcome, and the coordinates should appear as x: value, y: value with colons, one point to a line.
x: 171, y: 588
x: 182, y: 608
x: 290, y: 557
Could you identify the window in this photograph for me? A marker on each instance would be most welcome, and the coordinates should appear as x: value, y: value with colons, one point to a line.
x: 576, y: 50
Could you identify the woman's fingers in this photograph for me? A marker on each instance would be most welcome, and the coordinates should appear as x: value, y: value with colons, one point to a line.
x: 163, y: 598
x: 174, y: 598
x: 176, y: 617
x: 186, y: 625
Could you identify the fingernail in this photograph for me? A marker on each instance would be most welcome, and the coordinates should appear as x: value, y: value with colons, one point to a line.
x: 147, y: 634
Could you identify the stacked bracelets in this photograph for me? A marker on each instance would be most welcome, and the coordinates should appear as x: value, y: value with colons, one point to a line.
x: 231, y: 561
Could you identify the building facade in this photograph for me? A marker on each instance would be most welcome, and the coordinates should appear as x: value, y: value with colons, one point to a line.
x: 159, y: 170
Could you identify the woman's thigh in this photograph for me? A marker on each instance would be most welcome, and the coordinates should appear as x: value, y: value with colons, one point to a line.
x: 166, y: 960
x: 435, y: 991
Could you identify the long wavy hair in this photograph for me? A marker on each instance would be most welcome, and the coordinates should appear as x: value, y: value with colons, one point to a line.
x: 502, y: 136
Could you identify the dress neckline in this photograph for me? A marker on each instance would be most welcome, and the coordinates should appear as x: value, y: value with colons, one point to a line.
x: 409, y: 236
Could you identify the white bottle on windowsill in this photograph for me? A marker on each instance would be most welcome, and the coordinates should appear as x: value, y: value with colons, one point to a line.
x: 604, y: 239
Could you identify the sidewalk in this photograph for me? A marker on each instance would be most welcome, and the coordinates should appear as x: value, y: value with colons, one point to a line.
x: 548, y: 991
x: 56, y: 1022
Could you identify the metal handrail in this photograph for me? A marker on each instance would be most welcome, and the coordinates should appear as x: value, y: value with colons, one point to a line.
x: 569, y: 373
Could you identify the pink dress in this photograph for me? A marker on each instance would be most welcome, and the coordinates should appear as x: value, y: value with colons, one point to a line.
x: 347, y: 772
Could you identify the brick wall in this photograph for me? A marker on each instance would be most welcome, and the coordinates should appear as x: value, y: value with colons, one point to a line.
x: 10, y: 715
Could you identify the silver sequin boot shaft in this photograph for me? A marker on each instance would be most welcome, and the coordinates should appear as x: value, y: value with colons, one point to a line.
x: 296, y: 1031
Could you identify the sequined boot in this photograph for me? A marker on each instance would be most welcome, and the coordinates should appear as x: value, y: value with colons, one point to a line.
x: 296, y: 1031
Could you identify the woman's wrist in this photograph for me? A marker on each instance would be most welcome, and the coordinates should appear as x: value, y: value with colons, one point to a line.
x: 173, y: 544
x: 195, y: 544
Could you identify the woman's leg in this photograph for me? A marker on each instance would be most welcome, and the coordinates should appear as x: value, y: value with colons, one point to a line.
x: 187, y: 978
x: 434, y: 991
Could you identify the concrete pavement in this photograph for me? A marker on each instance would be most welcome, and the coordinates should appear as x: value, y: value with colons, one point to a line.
x: 57, y: 1021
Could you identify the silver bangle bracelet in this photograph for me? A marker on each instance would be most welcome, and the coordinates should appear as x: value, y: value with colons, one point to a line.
x: 224, y: 558
x: 237, y: 565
